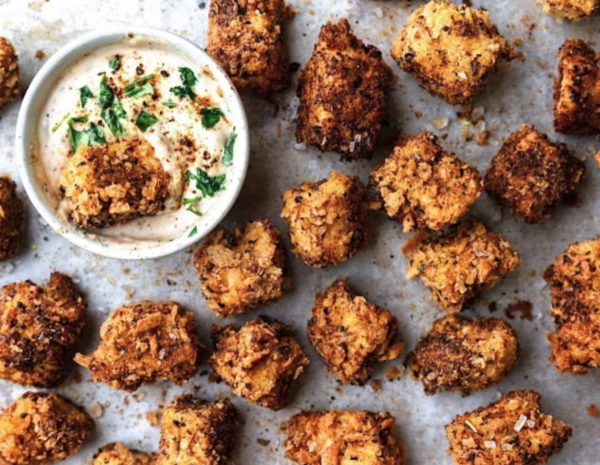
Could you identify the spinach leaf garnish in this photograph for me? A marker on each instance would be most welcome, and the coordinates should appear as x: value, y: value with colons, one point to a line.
x: 85, y: 93
x: 189, y: 80
x: 228, y: 149
x: 208, y: 185
x: 145, y: 120
x: 139, y: 87
x: 59, y: 123
x: 111, y: 119
x: 111, y: 107
x: 169, y: 104
x: 211, y: 116
x: 115, y: 62
x: 194, y: 231
x: 106, y: 96
x: 90, y: 136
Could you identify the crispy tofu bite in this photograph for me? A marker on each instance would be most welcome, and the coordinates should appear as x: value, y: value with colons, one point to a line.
x: 340, y: 437
x: 574, y: 281
x: 104, y: 185
x: 352, y: 334
x: 464, y: 356
x: 9, y: 72
x: 259, y: 361
x: 244, y: 270
x: 577, y: 89
x: 459, y: 264
x: 42, y: 428
x: 327, y: 219
x: 246, y: 38
x: 451, y: 49
x: 342, y: 93
x: 145, y: 342
x: 530, y: 175
x: 39, y: 327
x: 511, y: 431
x: 571, y: 9
x: 119, y: 454
x: 423, y: 186
x: 194, y: 432
x: 12, y: 218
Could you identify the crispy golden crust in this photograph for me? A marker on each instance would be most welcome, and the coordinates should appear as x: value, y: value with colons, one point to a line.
x: 42, y: 428
x: 571, y: 9
x: 464, y: 356
x: 9, y: 72
x: 12, y: 219
x: 511, y: 431
x: 39, y: 327
x: 424, y: 186
x: 244, y: 270
x: 342, y: 94
x: 259, y: 361
x: 114, y: 183
x: 451, y: 49
x: 574, y: 281
x: 530, y: 175
x: 352, y: 334
x: 338, y: 437
x: 246, y: 39
x: 327, y: 220
x: 577, y: 89
x: 461, y: 263
x: 194, y: 432
x: 145, y: 342
x: 118, y: 454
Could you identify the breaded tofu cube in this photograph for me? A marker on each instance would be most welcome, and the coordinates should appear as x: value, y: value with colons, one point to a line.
x: 244, y: 270
x: 531, y: 175
x: 463, y: 355
x: 459, y: 264
x: 423, y: 186
x: 9, y: 72
x: 327, y: 220
x: 510, y: 431
x: 42, y: 428
x: 119, y: 454
x: 341, y: 437
x: 352, y: 334
x: 343, y: 92
x: 259, y: 361
x: 246, y: 38
x: 574, y: 281
x: 109, y: 184
x: 451, y: 49
x: 577, y: 89
x: 571, y: 9
x: 39, y: 327
x: 194, y: 432
x: 145, y: 342
x: 12, y: 219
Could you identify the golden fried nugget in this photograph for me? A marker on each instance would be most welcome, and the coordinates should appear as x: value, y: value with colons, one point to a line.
x: 342, y: 93
x: 423, y: 186
x: 42, y: 428
x: 327, y: 220
x: 246, y: 38
x: 244, y: 270
x: 9, y: 72
x: 461, y: 263
x: 114, y: 183
x: 577, y: 89
x: 574, y: 281
x: 340, y: 437
x: 12, y: 219
x: 118, y: 454
x: 259, y: 361
x: 39, y: 327
x: 530, y: 175
x: 511, y: 431
x: 464, y: 356
x: 194, y: 432
x: 145, y: 342
x: 571, y: 9
x: 451, y: 49
x: 352, y: 334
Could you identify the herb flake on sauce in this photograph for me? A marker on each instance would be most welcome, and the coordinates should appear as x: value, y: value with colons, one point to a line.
x: 228, y: 149
x: 211, y: 116
x: 85, y: 93
x: 145, y: 120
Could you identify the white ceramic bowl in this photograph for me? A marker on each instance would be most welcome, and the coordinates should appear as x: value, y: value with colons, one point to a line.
x: 27, y: 126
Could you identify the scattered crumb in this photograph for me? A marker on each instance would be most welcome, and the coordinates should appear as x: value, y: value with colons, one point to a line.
x: 213, y: 378
x: 40, y: 55
x: 593, y: 411
x: 522, y: 307
x: 396, y: 372
x: 153, y: 417
x: 263, y: 442
x: 97, y: 410
x: 597, y: 159
x: 493, y: 307
x: 376, y: 385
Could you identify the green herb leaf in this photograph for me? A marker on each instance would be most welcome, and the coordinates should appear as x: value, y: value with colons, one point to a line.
x: 90, y: 136
x: 183, y: 91
x: 115, y: 62
x: 169, y: 104
x: 59, y: 123
x: 112, y: 121
x: 141, y: 91
x: 138, y: 82
x: 78, y: 119
x: 205, y: 183
x: 190, y: 204
x: 211, y: 116
x: 85, y: 93
x: 119, y: 110
x: 145, y: 120
x: 106, y: 97
x: 187, y: 77
x: 228, y: 149
x: 193, y: 232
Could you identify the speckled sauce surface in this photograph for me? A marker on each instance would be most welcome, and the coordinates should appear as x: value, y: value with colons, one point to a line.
x: 521, y: 93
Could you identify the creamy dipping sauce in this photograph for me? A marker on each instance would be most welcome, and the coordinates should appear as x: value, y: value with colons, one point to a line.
x: 160, y: 95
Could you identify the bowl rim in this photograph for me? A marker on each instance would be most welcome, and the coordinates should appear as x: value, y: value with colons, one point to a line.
x: 50, y: 72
